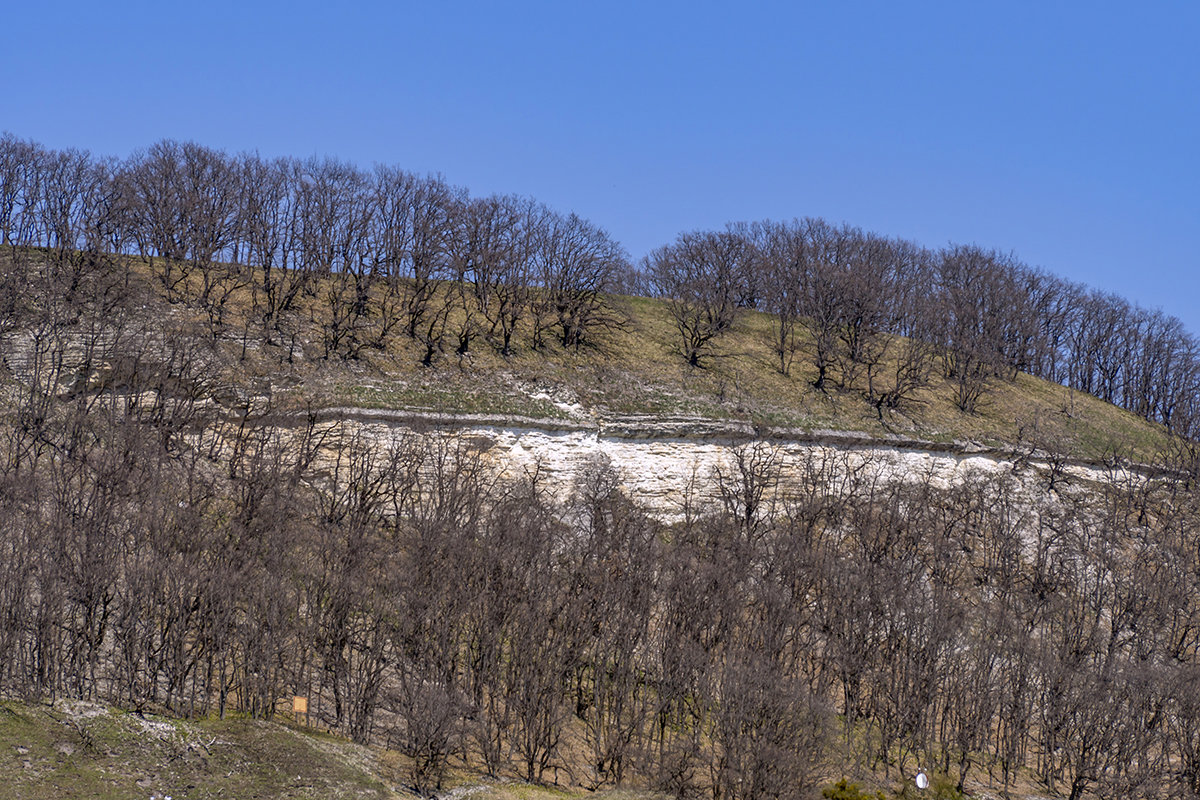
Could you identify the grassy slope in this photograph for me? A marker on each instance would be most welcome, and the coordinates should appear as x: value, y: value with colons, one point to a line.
x: 638, y: 371
x: 83, y: 750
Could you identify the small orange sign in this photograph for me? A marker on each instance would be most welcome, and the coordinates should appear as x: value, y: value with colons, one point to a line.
x: 299, y: 705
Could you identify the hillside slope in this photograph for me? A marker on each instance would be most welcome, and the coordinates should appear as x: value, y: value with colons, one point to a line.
x: 75, y: 749
x: 126, y: 335
x: 79, y: 749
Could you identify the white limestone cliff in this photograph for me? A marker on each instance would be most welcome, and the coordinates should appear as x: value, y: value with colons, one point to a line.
x: 661, y: 463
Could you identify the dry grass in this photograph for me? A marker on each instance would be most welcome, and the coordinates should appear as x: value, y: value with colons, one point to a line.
x: 637, y: 370
x: 82, y: 750
x: 73, y: 749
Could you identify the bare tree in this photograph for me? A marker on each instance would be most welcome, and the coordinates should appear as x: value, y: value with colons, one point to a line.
x: 975, y: 298
x: 21, y: 169
x: 153, y: 185
x: 781, y: 262
x: 822, y: 292
x: 697, y: 276
x: 17, y: 160
x: 905, y: 364
x: 614, y: 559
x: 576, y: 270
x: 412, y: 220
x: 266, y: 241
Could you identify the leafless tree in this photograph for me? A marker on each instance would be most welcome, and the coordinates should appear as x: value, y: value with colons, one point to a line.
x: 265, y: 239
x: 413, y: 220
x: 576, y: 270
x: 822, y: 292
x: 697, y: 275
x: 976, y: 297
x: 20, y: 175
x: 781, y: 261
x: 613, y: 560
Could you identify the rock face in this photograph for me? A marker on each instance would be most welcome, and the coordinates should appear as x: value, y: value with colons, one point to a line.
x: 664, y: 465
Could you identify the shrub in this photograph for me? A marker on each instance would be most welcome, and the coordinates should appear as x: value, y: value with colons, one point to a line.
x: 847, y: 790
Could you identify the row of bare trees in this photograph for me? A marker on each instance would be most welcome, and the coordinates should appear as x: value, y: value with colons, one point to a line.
x: 367, y: 254
x: 158, y: 552
x: 839, y: 296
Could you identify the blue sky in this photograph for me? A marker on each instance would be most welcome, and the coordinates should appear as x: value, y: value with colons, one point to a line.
x: 1066, y: 132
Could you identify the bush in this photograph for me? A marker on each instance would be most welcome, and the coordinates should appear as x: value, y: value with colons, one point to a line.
x: 846, y: 790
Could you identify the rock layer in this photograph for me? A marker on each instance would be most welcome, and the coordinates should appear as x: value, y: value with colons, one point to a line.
x: 665, y: 464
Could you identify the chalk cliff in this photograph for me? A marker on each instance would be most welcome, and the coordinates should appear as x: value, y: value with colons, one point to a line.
x: 665, y: 463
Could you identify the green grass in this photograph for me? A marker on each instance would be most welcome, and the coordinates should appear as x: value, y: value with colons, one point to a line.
x: 85, y: 750
x: 423, y: 398
x: 77, y: 750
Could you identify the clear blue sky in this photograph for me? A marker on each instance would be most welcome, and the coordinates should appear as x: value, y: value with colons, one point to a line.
x: 1066, y: 132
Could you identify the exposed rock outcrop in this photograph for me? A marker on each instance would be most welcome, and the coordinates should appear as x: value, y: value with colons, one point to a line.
x: 663, y: 464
